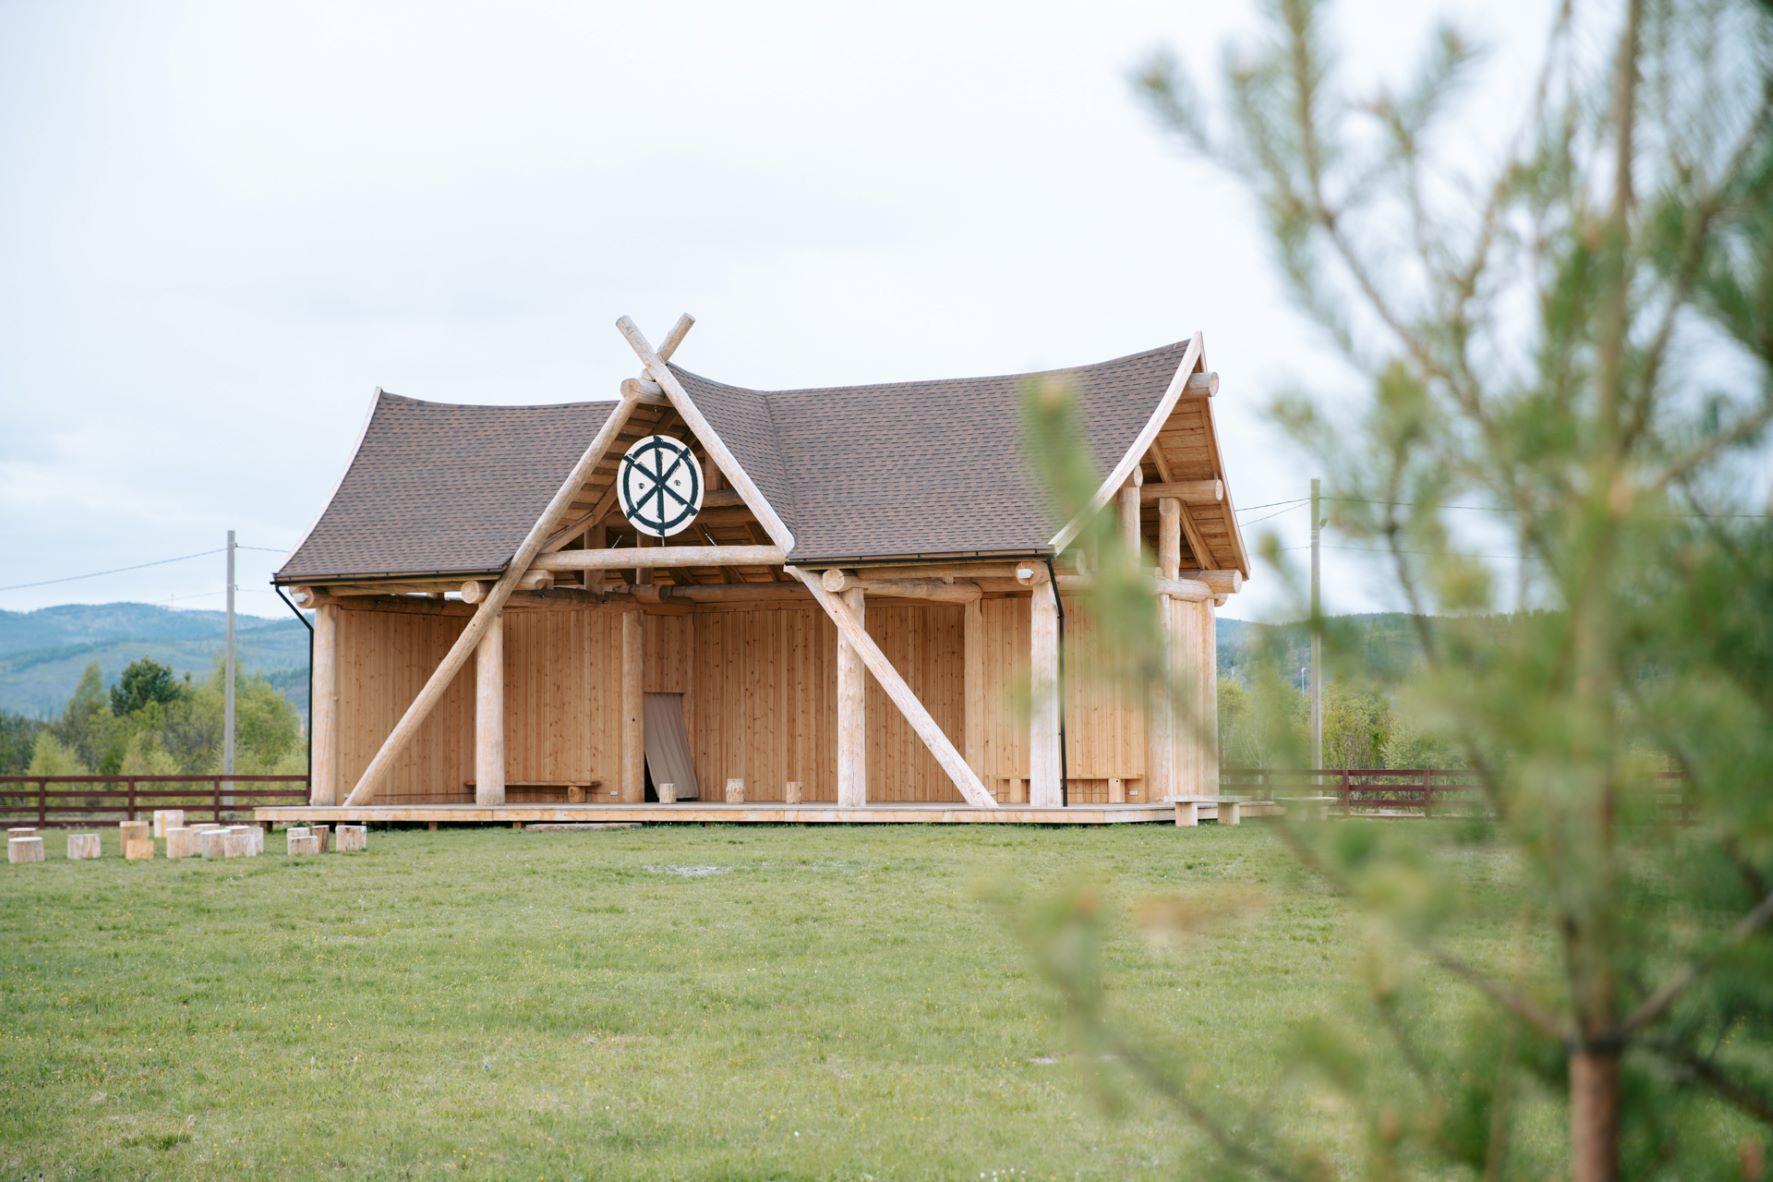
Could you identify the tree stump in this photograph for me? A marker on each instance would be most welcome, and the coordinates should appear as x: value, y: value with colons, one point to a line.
x: 791, y: 792
x: 181, y: 842
x: 667, y: 792
x: 82, y: 846
x: 165, y: 819
x: 303, y: 843
x: 139, y: 849
x: 351, y: 837
x: 133, y: 831
x: 735, y: 791
x: 24, y: 849
x: 212, y: 843
x: 323, y: 834
x: 238, y: 841
x: 22, y: 831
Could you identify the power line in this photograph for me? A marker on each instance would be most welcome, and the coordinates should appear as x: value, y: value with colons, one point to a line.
x: 1509, y: 509
x: 1276, y: 513
x: 266, y: 549
x: 1272, y: 504
x: 113, y: 571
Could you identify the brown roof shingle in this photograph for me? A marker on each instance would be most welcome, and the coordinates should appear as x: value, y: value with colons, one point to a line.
x: 855, y: 472
x: 915, y: 468
x: 437, y: 488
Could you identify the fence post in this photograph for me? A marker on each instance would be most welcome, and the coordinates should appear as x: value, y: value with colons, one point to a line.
x: 42, y: 804
x: 1427, y: 792
x: 129, y: 806
x: 1346, y: 791
x: 215, y: 798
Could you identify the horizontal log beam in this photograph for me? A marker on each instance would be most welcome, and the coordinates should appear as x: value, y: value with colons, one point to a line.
x: 937, y: 590
x: 1194, y: 492
x: 1187, y: 590
x: 650, y: 557
x: 1223, y: 582
x: 1201, y: 385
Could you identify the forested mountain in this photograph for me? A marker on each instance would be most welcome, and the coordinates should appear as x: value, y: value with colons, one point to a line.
x: 44, y: 652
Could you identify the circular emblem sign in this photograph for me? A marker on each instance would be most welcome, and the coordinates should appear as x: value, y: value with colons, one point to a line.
x: 660, y: 485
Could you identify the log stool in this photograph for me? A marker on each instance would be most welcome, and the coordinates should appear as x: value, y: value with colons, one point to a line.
x: 351, y: 837
x: 303, y: 842
x: 212, y: 843
x: 24, y: 849
x: 139, y: 849
x: 129, y: 831
x: 735, y: 791
x: 181, y: 842
x: 82, y: 846
x: 165, y: 819
x: 791, y: 792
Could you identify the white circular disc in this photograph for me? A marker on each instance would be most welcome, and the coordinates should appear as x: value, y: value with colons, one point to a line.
x: 659, y: 484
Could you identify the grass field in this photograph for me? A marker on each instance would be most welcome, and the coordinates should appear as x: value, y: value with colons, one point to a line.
x: 664, y: 1002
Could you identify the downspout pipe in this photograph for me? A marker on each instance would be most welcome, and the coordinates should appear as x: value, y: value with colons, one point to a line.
x: 1059, y: 602
x: 310, y: 727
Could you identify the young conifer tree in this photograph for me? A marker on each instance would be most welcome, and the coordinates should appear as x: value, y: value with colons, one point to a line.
x: 1577, y: 335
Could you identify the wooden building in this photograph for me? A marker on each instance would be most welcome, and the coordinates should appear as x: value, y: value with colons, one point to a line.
x: 703, y: 602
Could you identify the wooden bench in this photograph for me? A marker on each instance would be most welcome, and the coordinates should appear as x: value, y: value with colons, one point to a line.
x: 1228, y: 810
x: 570, y: 792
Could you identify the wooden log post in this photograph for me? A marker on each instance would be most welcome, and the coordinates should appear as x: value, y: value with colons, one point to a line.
x: 165, y: 819
x: 633, y: 783
x: 82, y: 846
x: 1160, y: 715
x: 489, y: 716
x: 852, y: 712
x: 352, y: 838
x: 181, y: 842
x: 1129, y: 513
x: 20, y: 850
x: 973, y: 689
x: 735, y: 791
x: 323, y: 725
x: 852, y: 630
x: 1044, y: 789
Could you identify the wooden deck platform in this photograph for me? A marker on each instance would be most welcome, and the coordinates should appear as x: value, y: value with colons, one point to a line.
x: 710, y: 812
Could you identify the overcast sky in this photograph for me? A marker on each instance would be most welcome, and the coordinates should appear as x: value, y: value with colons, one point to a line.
x: 223, y: 226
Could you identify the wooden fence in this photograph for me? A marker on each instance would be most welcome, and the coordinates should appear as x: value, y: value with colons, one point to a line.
x: 1402, y: 792
x: 83, y: 800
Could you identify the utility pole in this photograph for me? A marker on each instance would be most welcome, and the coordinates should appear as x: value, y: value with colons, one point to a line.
x: 1317, y: 641
x: 228, y: 675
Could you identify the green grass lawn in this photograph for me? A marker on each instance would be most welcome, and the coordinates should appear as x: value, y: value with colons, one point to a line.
x: 828, y: 1003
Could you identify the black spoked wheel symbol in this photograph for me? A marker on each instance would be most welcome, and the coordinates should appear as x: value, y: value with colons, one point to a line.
x: 661, y: 485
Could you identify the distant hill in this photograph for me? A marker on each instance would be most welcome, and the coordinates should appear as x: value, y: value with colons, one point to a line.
x: 43, y: 652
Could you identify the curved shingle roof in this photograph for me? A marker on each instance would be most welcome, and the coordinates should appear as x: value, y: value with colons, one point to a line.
x: 921, y: 468
x: 437, y: 488
x: 908, y: 469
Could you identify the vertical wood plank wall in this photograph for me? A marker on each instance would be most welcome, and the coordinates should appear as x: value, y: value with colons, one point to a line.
x: 759, y: 686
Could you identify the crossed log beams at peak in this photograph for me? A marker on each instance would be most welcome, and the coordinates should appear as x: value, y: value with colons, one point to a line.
x: 488, y: 611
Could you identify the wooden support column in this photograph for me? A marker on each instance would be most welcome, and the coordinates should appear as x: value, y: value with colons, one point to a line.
x: 851, y: 629
x: 1160, y: 716
x: 973, y: 685
x: 633, y: 785
x: 323, y: 725
x: 1043, y: 719
x: 852, y: 712
x: 489, y: 715
x: 1129, y: 512
x: 1209, y: 705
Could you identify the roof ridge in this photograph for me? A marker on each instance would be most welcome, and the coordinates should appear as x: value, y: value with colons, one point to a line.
x: 579, y: 405
x: 1032, y: 373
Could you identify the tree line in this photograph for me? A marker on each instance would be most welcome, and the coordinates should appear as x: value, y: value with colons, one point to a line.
x: 152, y: 722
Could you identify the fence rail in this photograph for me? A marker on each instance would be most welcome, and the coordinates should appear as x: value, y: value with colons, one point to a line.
x: 46, y: 801
x: 1401, y: 792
